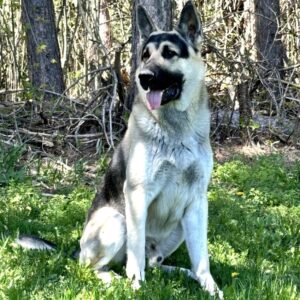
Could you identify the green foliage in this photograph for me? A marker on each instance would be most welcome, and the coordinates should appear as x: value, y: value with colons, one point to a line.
x: 255, y: 208
x: 9, y: 164
x: 254, y: 234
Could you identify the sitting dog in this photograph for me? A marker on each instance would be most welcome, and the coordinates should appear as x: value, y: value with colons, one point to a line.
x: 156, y: 185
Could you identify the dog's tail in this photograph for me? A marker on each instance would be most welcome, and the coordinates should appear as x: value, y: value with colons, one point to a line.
x: 32, y: 242
x: 35, y: 243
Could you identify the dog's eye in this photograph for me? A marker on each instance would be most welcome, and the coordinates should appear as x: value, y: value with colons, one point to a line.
x: 152, y: 247
x: 168, y: 53
x: 145, y: 55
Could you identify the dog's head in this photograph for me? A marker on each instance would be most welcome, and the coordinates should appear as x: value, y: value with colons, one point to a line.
x: 170, y: 61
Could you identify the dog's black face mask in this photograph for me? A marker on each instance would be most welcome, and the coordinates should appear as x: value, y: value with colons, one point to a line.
x: 155, y: 77
x: 164, y: 86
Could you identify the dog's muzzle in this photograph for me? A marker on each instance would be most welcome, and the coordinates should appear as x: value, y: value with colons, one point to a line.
x: 163, y: 86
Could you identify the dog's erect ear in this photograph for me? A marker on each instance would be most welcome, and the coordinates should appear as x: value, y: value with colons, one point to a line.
x: 144, y: 23
x: 189, y: 24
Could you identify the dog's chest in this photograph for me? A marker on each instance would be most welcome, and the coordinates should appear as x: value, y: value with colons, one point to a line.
x: 167, y: 209
x: 176, y: 153
x: 177, y: 168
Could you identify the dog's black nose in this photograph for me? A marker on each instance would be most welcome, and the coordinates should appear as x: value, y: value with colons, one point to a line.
x: 145, y: 78
x: 159, y: 259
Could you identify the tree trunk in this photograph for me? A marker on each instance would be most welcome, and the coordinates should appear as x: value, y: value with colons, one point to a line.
x: 105, y: 27
x: 160, y: 11
x: 44, y: 63
x: 268, y: 39
x: 269, y: 45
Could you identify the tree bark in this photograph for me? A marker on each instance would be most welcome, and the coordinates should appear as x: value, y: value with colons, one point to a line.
x: 160, y: 11
x: 105, y: 27
x: 43, y: 53
x: 268, y: 39
x: 269, y: 45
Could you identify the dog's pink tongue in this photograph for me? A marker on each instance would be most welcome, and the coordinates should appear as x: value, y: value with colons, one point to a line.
x: 154, y: 99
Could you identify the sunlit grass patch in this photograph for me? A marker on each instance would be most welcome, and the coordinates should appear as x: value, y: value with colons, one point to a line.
x: 254, y: 236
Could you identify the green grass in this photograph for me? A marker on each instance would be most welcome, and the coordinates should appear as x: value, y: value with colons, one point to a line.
x: 254, y: 234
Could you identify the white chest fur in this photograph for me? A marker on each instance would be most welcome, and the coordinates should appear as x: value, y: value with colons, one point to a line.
x: 170, y: 163
x: 182, y: 171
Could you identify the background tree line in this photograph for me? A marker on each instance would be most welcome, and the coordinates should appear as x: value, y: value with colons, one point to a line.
x: 65, y: 69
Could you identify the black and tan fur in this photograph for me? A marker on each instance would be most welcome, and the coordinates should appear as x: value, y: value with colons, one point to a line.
x: 156, y: 185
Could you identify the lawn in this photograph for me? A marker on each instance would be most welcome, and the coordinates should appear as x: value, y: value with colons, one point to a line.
x: 254, y: 233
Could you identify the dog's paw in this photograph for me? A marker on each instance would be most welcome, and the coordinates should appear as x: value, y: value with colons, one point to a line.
x: 208, y: 284
x: 135, y: 280
x: 134, y: 273
x: 107, y: 277
x: 136, y: 284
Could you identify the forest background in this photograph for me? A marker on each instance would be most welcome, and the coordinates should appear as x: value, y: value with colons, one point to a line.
x: 65, y: 70
x: 66, y: 92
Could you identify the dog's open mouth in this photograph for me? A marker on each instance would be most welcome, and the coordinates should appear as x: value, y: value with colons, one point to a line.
x: 156, y: 98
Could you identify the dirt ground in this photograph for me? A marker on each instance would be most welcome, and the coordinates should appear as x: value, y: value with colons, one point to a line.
x: 225, y: 151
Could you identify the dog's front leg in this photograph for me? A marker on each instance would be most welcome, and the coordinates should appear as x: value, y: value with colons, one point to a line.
x: 136, y: 214
x: 195, y: 231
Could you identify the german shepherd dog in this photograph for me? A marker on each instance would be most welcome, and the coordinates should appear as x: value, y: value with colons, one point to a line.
x: 155, y: 187
x: 154, y: 193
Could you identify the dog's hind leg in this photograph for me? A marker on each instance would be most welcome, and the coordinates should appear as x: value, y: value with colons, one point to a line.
x: 103, y: 239
x: 170, y: 269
